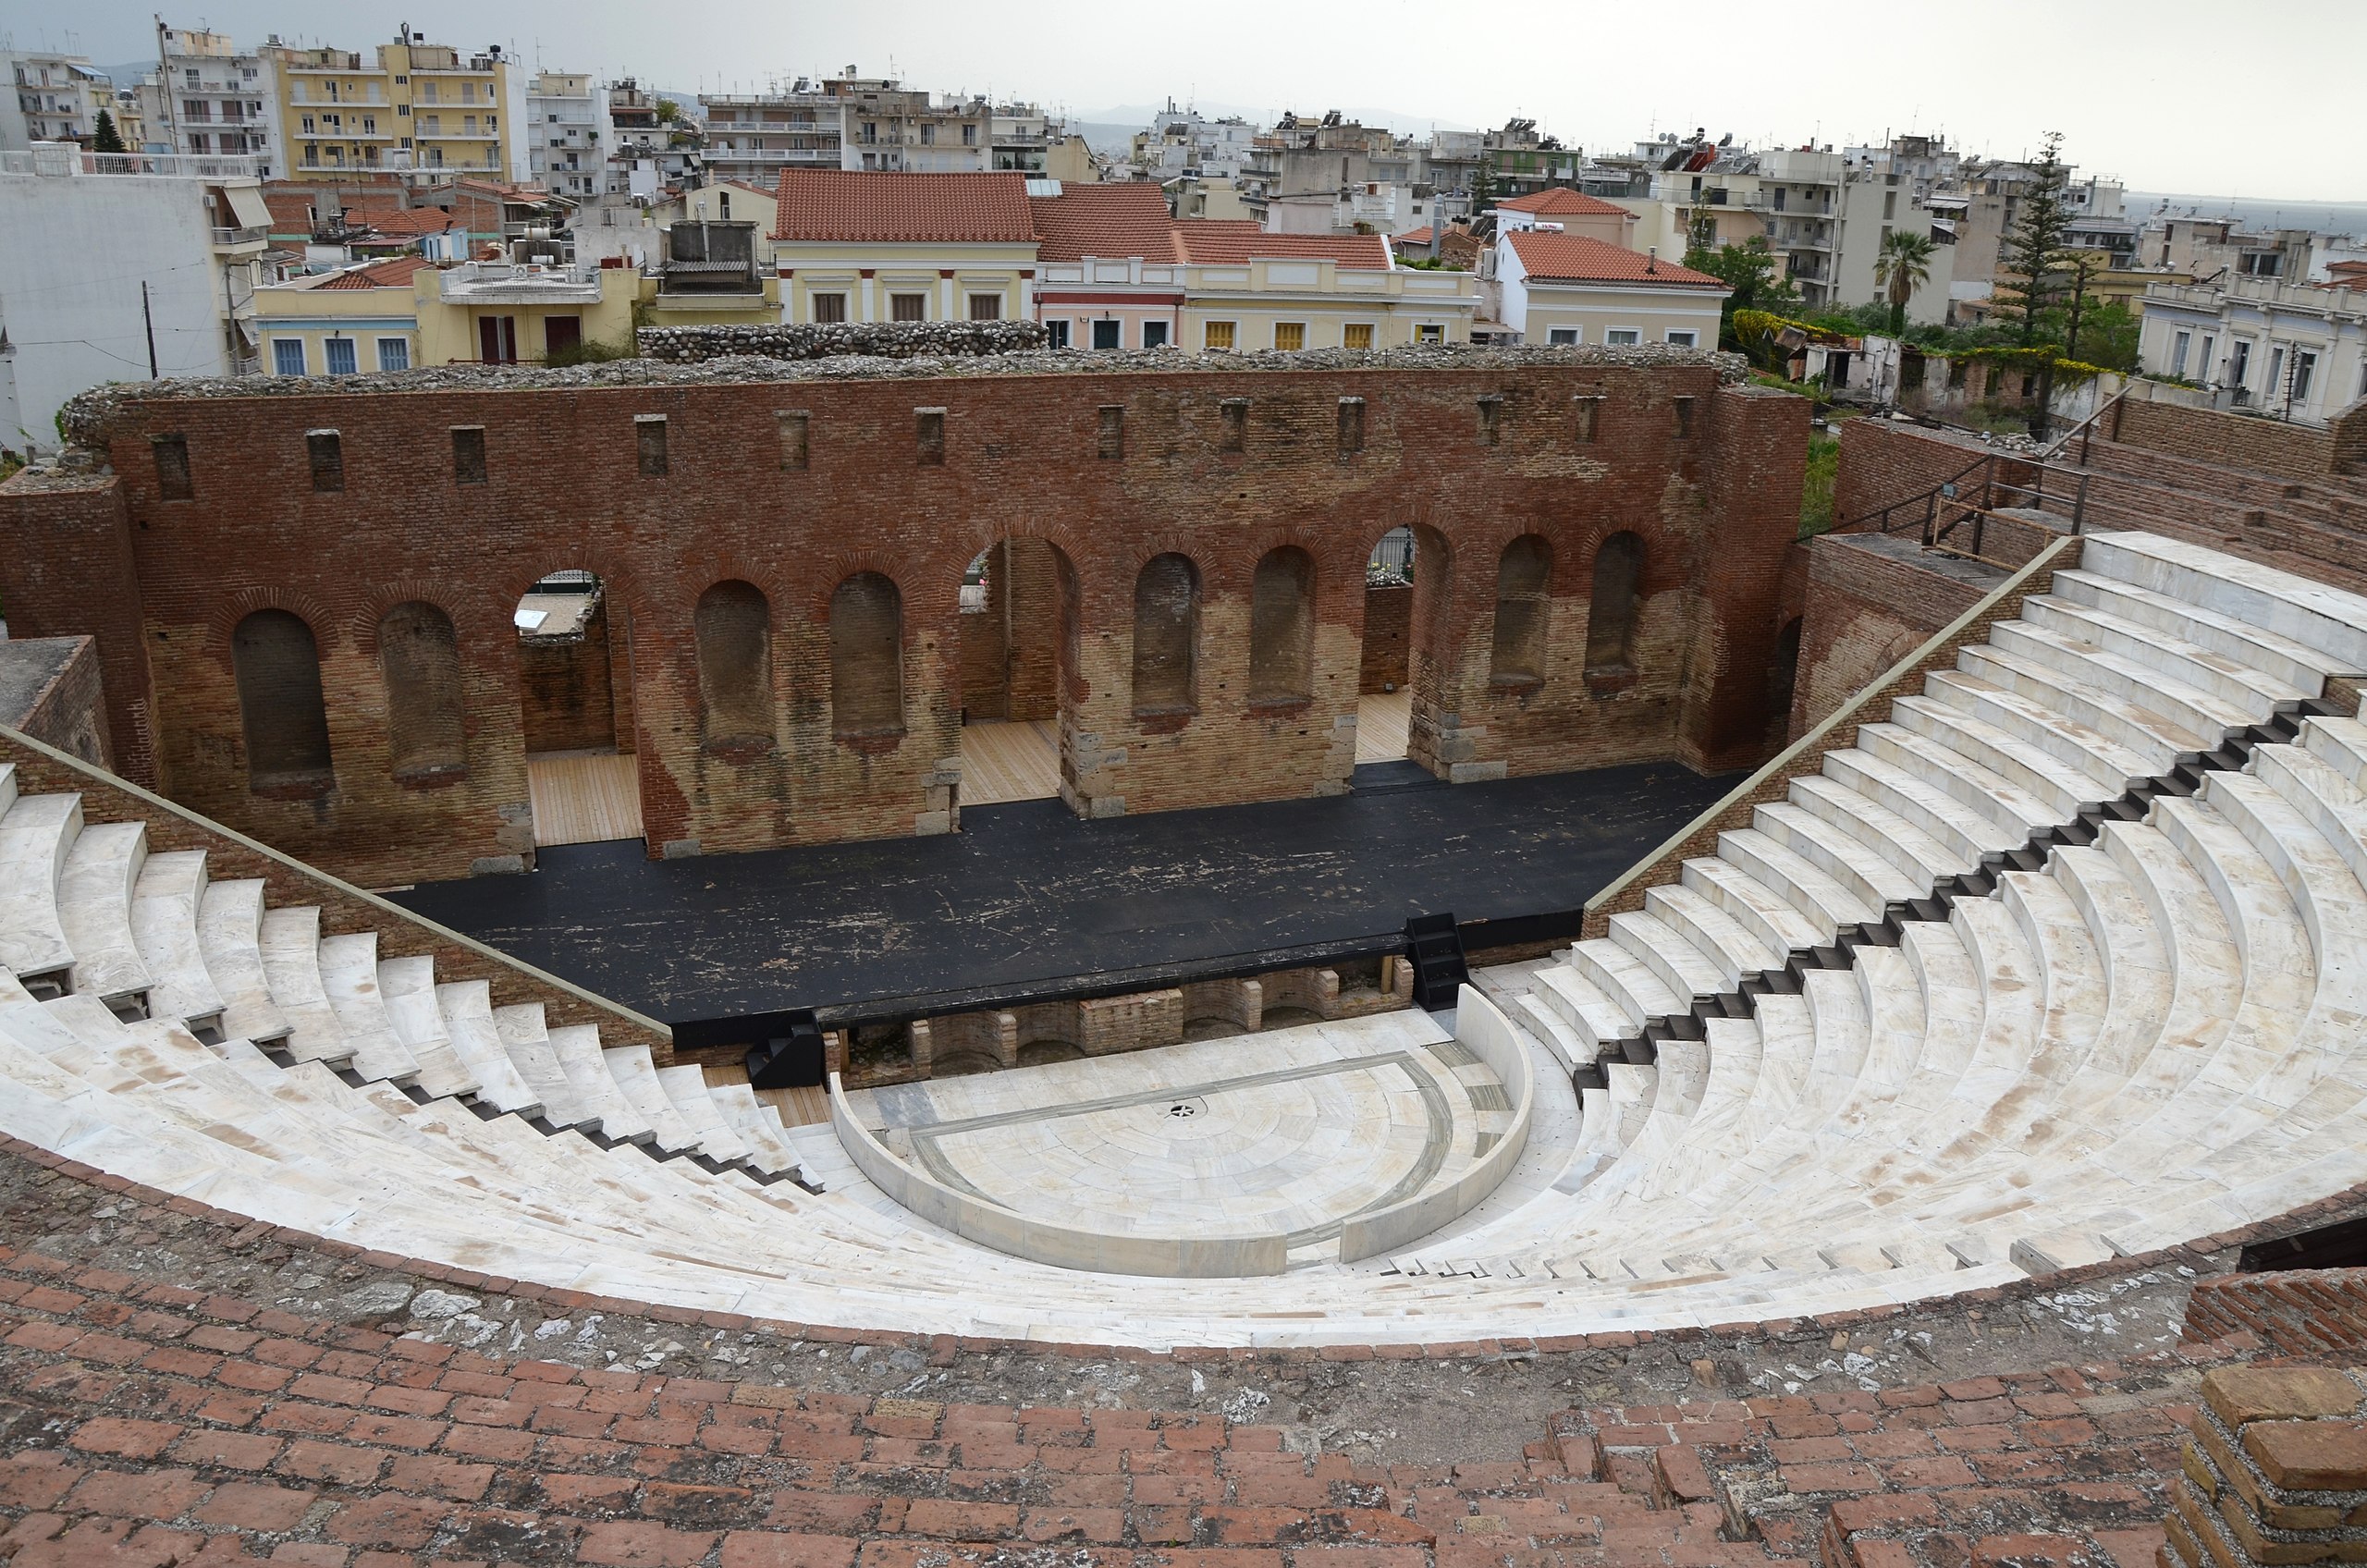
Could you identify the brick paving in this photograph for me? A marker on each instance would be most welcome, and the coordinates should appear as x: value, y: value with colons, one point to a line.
x: 149, y: 1424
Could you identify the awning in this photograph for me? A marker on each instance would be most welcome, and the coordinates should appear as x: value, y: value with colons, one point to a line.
x: 246, y: 202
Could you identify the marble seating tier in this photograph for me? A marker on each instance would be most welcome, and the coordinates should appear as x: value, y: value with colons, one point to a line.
x: 2144, y: 1032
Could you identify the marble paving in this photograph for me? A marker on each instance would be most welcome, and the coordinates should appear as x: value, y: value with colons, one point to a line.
x: 1292, y: 1131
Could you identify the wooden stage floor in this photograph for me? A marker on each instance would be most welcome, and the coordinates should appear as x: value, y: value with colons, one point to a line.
x: 1383, y: 719
x: 584, y: 797
x: 1009, y: 760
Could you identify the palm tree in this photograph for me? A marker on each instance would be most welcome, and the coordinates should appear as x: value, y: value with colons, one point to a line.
x: 1903, y: 265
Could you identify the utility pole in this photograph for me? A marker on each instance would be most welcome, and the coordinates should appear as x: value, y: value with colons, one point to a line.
x: 148, y: 320
x: 165, y: 99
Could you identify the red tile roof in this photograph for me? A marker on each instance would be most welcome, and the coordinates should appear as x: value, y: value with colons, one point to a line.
x: 1415, y: 236
x: 1232, y: 241
x: 395, y: 272
x: 401, y: 223
x: 1561, y: 201
x: 856, y: 205
x: 1122, y: 218
x: 1573, y: 258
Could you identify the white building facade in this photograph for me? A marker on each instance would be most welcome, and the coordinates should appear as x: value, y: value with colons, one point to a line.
x: 209, y: 99
x: 567, y: 133
x: 2285, y: 349
x: 96, y: 266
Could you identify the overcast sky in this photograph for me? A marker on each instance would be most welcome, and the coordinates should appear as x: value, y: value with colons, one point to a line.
x: 2186, y: 95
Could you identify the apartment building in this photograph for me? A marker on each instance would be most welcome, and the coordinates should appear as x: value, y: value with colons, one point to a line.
x: 567, y: 133
x: 647, y: 153
x: 2290, y: 350
x: 97, y: 263
x: 407, y: 310
x: 854, y: 122
x: 49, y: 98
x: 411, y: 107
x: 1184, y: 143
x: 208, y: 97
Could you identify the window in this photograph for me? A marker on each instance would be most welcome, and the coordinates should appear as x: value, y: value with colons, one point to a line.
x: 1563, y: 335
x: 1167, y: 631
x: 649, y: 445
x: 173, y: 481
x: 1589, y: 407
x: 1217, y: 336
x: 1234, y: 428
x: 419, y: 658
x: 1356, y: 335
x: 986, y: 307
x: 341, y: 352
x: 1492, y: 418
x: 794, y: 435
x: 468, y: 454
x: 1110, y: 444
x: 1682, y: 408
x: 1684, y: 337
x: 1281, y: 627
x: 929, y: 431
x: 1611, y: 612
x: 1524, y: 573
x: 969, y: 136
x: 2239, y: 364
x: 1352, y: 425
x: 2305, y: 370
x: 828, y: 308
x: 734, y: 628
x: 1109, y: 333
x: 1154, y: 334
x: 1290, y: 335
x: 2178, y: 353
x: 277, y: 669
x: 498, y: 339
x: 2276, y: 383
x: 1055, y: 334
x: 326, y: 452
x: 287, y: 356
x: 866, y: 658
x: 2203, y: 361
x: 908, y: 307
x: 1433, y: 333
x: 1623, y: 336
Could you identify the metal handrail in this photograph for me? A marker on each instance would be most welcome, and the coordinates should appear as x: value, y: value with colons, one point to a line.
x: 2085, y: 430
x: 1930, y: 499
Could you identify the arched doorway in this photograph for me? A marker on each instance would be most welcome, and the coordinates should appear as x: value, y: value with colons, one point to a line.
x: 575, y: 711
x: 1018, y: 651
x: 1407, y: 583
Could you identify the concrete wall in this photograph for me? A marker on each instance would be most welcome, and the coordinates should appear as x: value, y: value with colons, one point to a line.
x: 50, y: 689
x: 163, y: 582
x: 74, y: 251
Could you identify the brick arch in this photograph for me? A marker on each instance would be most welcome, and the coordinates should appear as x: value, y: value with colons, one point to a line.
x: 223, y: 617
x: 463, y: 606
x: 836, y: 568
x: 618, y: 583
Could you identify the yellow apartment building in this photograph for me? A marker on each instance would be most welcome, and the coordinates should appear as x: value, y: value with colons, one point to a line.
x: 411, y: 106
x: 855, y: 246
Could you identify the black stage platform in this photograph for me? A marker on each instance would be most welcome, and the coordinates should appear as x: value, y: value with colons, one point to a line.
x: 1028, y: 897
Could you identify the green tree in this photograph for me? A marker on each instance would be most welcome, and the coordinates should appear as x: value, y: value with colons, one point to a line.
x: 2031, y: 265
x: 2080, y: 269
x: 1748, y: 270
x: 2107, y: 335
x: 1483, y: 186
x: 668, y: 111
x: 105, y: 138
x: 1902, y: 266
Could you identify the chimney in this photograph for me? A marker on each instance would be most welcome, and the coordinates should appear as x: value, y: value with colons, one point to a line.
x: 1651, y: 258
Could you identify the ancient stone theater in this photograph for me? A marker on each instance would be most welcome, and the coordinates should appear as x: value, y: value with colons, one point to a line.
x: 987, y: 954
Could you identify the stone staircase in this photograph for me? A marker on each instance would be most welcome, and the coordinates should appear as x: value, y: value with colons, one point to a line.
x: 2060, y: 963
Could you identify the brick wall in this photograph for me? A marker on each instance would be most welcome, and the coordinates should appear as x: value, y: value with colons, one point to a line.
x: 161, y: 583
x: 2347, y: 434
x: 2266, y: 445
x: 566, y: 699
x: 2294, y: 1311
x: 1864, y: 612
x: 68, y: 710
x: 1388, y: 622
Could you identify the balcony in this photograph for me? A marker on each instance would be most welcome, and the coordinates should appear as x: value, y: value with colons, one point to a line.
x: 61, y: 159
x: 231, y: 238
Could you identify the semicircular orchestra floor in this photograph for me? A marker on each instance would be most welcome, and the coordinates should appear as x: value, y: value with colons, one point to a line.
x: 1288, y: 1133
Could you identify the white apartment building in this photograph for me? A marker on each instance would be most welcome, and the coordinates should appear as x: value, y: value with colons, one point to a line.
x: 206, y: 97
x: 95, y: 264
x: 47, y: 98
x: 2285, y: 349
x: 567, y: 133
